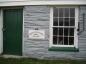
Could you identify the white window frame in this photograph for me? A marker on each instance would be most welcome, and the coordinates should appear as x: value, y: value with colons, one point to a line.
x: 75, y: 30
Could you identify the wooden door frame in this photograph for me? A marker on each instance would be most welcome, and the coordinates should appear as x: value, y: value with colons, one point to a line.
x: 1, y: 37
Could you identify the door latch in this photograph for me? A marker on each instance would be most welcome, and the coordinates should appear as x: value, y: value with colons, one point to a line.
x: 3, y: 29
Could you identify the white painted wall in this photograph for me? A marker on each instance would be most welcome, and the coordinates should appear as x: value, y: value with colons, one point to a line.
x: 1, y: 33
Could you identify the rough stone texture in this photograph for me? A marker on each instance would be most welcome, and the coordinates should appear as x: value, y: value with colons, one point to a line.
x: 39, y: 17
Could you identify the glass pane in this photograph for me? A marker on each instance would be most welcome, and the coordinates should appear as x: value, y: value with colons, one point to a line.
x: 55, y: 40
x: 72, y: 12
x: 60, y: 21
x: 55, y: 21
x: 66, y: 12
x: 55, y: 31
x: 71, y: 32
x: 72, y: 21
x: 55, y: 12
x: 60, y: 42
x: 66, y: 21
x: 65, y: 40
x: 71, y: 40
x: 60, y: 12
x: 61, y: 31
x: 66, y: 31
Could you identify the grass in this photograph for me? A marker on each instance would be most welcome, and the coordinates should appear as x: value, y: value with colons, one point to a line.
x: 38, y: 61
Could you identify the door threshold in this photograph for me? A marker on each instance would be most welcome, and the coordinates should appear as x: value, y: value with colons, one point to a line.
x: 11, y: 56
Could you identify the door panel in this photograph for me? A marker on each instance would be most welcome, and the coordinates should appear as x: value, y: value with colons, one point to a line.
x: 12, y: 31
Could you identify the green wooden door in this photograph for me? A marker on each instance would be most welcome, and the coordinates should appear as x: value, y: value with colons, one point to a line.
x: 12, y: 31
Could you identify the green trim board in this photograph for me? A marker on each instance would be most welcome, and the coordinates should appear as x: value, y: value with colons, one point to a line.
x: 71, y: 49
x: 12, y: 34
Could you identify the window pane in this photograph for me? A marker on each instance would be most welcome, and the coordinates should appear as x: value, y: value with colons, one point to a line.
x: 55, y: 31
x: 72, y: 21
x: 65, y: 31
x: 61, y: 31
x: 66, y: 21
x: 55, y: 21
x: 60, y: 21
x: 66, y: 12
x: 65, y: 40
x: 60, y: 42
x: 71, y: 40
x: 55, y: 12
x: 60, y: 12
x: 72, y: 12
x: 71, y: 32
x: 54, y: 39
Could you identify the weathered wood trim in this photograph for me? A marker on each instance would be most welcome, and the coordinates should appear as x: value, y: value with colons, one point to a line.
x: 22, y: 3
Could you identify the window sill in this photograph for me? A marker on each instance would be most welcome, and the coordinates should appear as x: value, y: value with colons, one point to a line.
x: 69, y: 49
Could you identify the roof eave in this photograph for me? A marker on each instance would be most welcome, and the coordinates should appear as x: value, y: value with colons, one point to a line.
x: 22, y: 3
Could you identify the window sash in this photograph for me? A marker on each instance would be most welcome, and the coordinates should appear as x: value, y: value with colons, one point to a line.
x: 75, y: 27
